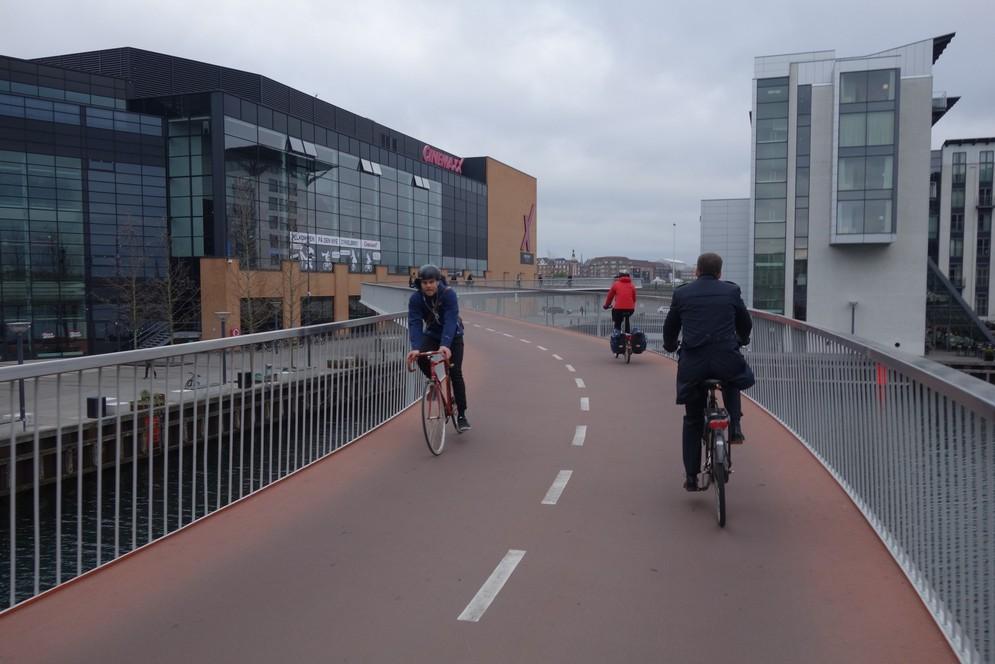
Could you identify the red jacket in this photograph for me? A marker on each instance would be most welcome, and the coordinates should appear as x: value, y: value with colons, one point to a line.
x: 624, y: 294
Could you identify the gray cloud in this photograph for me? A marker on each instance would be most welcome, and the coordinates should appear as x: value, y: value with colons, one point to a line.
x: 629, y: 113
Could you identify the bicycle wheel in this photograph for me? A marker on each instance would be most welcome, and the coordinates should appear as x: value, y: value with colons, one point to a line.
x: 719, y: 475
x: 628, y: 352
x: 433, y: 418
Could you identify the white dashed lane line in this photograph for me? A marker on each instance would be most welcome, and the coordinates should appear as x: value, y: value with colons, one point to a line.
x: 492, y: 586
x: 585, y: 403
x: 580, y: 434
x: 510, y: 336
x: 542, y: 348
x: 525, y: 341
x: 555, y: 356
x: 489, y: 329
x: 556, y: 490
x: 571, y: 369
x: 580, y: 383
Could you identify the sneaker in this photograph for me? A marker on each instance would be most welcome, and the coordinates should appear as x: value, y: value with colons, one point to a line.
x: 690, y: 483
x: 463, y: 423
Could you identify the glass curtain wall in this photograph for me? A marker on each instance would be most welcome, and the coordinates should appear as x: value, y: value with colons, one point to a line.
x: 770, y: 194
x: 957, y: 191
x: 935, y: 186
x: 82, y: 211
x: 290, y: 199
x: 983, y: 261
x: 867, y: 152
x: 803, y: 149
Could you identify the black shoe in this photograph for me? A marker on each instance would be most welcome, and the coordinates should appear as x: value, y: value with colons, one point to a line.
x: 690, y: 483
x: 462, y: 423
x: 736, y: 436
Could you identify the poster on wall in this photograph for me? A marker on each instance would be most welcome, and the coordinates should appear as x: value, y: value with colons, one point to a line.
x: 320, y: 252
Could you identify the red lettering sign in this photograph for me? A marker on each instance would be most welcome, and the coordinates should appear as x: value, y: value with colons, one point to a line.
x: 442, y: 160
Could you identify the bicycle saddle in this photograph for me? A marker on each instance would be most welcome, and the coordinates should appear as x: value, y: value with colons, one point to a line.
x: 712, y: 383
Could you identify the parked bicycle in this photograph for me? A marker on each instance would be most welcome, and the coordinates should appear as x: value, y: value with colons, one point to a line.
x: 438, y: 404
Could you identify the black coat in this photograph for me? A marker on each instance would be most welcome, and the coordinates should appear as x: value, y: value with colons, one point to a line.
x: 715, y: 323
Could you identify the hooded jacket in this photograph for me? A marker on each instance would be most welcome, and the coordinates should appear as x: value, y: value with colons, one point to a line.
x: 623, y: 292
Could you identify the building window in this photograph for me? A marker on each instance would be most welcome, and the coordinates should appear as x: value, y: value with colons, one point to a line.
x: 985, y: 162
x: 956, y: 248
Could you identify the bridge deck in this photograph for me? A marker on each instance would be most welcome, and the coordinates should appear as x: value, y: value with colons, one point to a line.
x: 371, y: 556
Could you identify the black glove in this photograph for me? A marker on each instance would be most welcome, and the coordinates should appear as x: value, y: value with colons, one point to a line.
x: 607, y: 307
x: 670, y: 348
x: 743, y: 341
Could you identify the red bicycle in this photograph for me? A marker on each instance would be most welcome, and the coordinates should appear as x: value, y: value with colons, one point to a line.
x: 438, y: 403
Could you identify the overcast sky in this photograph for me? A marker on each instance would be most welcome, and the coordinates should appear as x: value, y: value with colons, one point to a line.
x: 628, y: 113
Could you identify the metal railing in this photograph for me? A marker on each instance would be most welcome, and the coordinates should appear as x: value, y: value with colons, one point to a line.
x: 119, y: 450
x: 548, y: 282
x: 912, y: 442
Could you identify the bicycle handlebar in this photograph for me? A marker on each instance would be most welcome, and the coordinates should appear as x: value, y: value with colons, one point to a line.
x: 411, y: 364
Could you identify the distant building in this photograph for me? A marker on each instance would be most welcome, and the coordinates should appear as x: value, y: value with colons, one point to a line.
x: 558, y: 267
x: 605, y: 267
x: 725, y: 230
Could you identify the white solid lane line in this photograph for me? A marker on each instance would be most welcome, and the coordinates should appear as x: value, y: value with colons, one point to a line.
x: 542, y: 348
x: 585, y: 403
x: 559, y: 484
x: 580, y: 383
x: 557, y: 357
x: 492, y: 586
x: 579, y: 435
x: 571, y: 369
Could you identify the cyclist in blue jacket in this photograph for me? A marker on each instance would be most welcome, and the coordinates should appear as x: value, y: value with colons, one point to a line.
x: 434, y: 324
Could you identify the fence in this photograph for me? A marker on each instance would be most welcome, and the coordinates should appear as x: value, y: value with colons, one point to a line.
x: 116, y: 451
x: 911, y: 441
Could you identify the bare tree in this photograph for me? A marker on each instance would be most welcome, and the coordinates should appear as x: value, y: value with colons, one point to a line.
x: 129, y: 288
x: 175, y: 294
x: 245, y: 234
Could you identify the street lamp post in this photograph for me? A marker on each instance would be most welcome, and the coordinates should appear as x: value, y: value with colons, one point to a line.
x: 20, y: 328
x: 223, y: 317
x: 673, y: 277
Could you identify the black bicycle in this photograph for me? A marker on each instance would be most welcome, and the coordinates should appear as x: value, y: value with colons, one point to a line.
x: 718, y: 453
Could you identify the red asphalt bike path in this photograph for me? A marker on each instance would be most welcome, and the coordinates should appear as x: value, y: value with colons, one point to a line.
x: 372, y: 554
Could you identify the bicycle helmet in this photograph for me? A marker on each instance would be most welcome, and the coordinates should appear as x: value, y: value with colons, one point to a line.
x: 429, y: 271
x: 623, y: 273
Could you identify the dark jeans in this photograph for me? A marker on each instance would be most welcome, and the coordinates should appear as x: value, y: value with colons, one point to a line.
x: 455, y: 371
x: 618, y: 315
x: 694, y: 423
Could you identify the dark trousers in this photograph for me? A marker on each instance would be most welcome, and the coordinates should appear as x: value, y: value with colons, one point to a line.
x: 455, y: 371
x: 694, y: 423
x: 618, y: 315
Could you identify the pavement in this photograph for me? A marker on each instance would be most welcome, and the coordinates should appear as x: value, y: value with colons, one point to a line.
x: 492, y: 553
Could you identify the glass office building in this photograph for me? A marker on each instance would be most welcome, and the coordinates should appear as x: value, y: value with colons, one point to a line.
x: 82, y: 206
x: 116, y: 164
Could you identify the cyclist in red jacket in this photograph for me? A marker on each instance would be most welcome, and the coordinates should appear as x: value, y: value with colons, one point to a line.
x: 624, y: 295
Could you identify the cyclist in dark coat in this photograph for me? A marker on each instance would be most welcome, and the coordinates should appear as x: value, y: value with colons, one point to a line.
x: 434, y: 324
x: 715, y: 323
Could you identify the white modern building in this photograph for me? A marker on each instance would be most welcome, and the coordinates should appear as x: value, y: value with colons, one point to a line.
x: 725, y: 230
x: 839, y: 193
x: 960, y: 240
